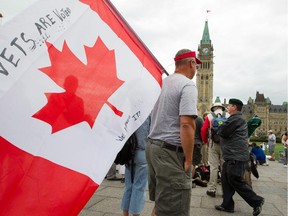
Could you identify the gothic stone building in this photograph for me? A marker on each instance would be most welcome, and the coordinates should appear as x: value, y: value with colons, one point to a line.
x: 274, y: 117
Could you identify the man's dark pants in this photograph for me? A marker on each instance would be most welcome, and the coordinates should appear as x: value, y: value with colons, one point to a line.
x: 232, y: 180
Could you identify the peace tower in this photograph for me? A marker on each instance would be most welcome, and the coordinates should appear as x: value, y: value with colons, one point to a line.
x: 204, y: 77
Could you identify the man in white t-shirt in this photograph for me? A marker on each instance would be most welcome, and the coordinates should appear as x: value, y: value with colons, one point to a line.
x: 284, y: 140
x: 271, y: 144
x: 214, y: 149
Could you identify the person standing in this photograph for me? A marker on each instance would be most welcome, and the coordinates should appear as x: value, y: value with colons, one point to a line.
x: 121, y: 171
x: 284, y: 141
x: 271, y: 144
x: 197, y: 156
x: 214, y: 149
x: 170, y: 145
x: 133, y: 199
x: 234, y: 145
x: 112, y: 174
x: 204, y: 148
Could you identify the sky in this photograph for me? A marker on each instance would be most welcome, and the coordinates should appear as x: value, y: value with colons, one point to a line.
x: 249, y: 39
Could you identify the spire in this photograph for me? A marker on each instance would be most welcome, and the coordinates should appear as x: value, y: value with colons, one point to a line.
x: 206, y: 36
x: 217, y: 100
x: 250, y: 101
x: 268, y: 101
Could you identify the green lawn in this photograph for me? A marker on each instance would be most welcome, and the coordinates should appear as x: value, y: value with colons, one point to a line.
x: 279, y: 147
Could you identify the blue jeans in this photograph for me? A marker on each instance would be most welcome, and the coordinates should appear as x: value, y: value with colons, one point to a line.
x: 133, y: 199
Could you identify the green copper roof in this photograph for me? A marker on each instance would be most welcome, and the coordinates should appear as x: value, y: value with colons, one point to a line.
x: 217, y: 100
x: 206, y: 36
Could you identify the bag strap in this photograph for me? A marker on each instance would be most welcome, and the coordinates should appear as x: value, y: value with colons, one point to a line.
x: 219, y: 114
x: 134, y: 143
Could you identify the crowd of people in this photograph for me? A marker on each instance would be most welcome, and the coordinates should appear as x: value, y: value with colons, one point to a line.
x: 174, y: 142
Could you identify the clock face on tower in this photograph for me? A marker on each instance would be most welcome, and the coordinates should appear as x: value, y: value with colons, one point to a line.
x: 205, y: 51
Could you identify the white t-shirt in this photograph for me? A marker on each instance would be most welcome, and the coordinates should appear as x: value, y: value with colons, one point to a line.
x: 271, y: 139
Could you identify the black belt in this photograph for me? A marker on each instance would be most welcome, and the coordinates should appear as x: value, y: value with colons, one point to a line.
x: 166, y: 145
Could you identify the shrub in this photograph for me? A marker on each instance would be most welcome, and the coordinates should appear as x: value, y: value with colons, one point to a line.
x: 258, y: 139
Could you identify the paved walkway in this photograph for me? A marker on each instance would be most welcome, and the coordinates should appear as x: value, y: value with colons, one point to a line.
x: 272, y: 185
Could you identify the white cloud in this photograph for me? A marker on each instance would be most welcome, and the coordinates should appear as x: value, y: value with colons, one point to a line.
x: 249, y: 38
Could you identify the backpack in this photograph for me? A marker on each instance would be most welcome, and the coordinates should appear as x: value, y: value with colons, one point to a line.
x: 127, y: 152
x: 217, y: 121
x: 253, y: 165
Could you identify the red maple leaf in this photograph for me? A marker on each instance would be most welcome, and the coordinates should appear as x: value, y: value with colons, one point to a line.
x: 87, y: 87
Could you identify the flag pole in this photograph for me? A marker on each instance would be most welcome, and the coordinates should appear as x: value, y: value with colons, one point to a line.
x: 207, y: 11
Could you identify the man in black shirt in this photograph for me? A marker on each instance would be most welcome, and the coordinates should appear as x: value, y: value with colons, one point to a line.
x: 234, y: 145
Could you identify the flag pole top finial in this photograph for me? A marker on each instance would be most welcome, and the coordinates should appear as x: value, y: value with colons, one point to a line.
x: 207, y: 11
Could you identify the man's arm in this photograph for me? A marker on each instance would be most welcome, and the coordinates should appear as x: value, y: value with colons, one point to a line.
x: 187, y: 135
x: 227, y: 128
x: 274, y: 138
x: 283, y: 139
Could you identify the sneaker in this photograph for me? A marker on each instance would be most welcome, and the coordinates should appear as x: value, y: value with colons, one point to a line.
x: 285, y: 165
x: 211, y: 193
x: 257, y: 210
x: 193, y: 185
x: 221, y: 208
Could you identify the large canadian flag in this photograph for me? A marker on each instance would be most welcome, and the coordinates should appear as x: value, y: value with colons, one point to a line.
x: 75, y: 83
